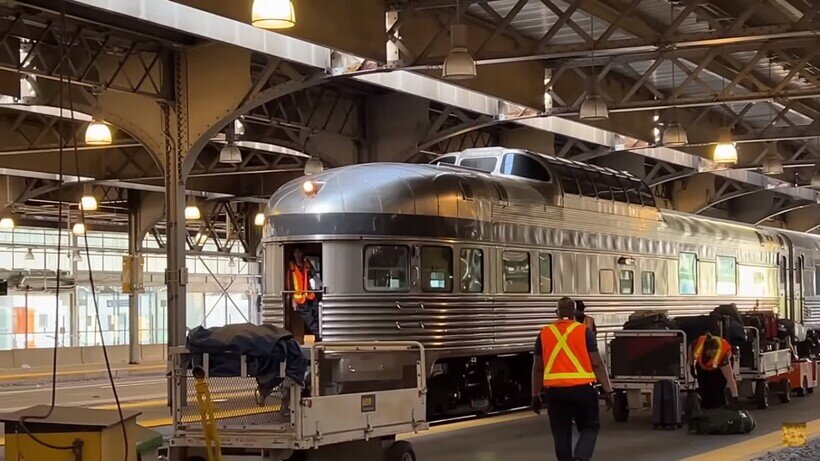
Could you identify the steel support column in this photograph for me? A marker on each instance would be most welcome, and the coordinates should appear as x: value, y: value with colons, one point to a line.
x: 134, y: 248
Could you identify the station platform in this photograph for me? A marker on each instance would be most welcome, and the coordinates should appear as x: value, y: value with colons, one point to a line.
x: 78, y: 372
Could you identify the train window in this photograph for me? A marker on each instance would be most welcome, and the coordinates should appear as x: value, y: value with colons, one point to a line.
x: 817, y: 280
x: 587, y: 184
x: 726, y: 275
x: 472, y: 270
x: 688, y: 274
x: 386, y: 267
x: 626, y: 282
x: 648, y: 283
x: 486, y: 164
x: 545, y: 272
x: 516, y: 266
x: 607, y: 281
x: 524, y: 166
x: 567, y: 177
x: 647, y: 197
x: 449, y: 160
x: 436, y: 268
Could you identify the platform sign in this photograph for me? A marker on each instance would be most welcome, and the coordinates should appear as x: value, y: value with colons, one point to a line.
x: 794, y: 434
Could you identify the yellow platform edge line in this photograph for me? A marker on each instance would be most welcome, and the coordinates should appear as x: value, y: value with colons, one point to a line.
x: 44, y: 374
x: 753, y: 447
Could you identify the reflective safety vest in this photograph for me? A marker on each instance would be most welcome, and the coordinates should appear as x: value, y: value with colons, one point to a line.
x: 724, y: 351
x: 565, y: 354
x: 299, y: 279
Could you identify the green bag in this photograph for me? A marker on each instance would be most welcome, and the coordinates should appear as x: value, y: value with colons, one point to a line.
x: 719, y: 421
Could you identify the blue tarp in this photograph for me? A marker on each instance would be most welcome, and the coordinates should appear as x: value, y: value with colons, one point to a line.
x: 265, y: 348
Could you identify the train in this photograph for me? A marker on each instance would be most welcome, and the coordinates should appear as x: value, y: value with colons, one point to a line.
x: 468, y: 255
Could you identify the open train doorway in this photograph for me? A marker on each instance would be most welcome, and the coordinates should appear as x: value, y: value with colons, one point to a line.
x: 303, y: 290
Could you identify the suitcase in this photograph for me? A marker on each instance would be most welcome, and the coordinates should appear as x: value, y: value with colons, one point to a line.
x: 666, y: 405
x: 722, y: 421
x: 653, y: 321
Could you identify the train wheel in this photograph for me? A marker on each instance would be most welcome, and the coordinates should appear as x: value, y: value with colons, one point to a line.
x: 762, y: 394
x: 620, y: 407
x: 803, y: 389
x: 785, y: 394
x: 400, y: 451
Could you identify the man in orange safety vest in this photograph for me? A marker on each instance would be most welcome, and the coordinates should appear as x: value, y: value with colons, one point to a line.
x: 303, y: 296
x: 567, y: 365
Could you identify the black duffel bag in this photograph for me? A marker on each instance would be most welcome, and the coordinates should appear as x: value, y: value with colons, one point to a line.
x: 649, y: 321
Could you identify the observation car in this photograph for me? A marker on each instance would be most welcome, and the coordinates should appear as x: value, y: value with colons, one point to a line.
x: 469, y: 254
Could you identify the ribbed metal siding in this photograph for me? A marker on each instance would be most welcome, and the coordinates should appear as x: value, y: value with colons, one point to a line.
x: 811, y: 316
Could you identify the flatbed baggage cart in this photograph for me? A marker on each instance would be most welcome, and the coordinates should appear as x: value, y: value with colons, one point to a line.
x: 356, y: 399
x: 761, y: 371
x: 637, y: 359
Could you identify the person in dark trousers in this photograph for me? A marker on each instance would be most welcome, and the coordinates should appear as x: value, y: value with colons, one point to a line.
x: 303, y: 297
x: 566, y: 365
x: 581, y: 316
x: 712, y: 356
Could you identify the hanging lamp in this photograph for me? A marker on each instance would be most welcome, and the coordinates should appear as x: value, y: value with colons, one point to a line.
x: 273, y: 14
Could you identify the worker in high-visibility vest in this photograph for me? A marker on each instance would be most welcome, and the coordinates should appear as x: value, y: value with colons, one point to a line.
x: 712, y: 356
x: 303, y: 297
x: 567, y: 365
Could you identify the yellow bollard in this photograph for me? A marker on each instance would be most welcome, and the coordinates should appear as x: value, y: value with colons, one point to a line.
x: 206, y: 413
x: 794, y: 434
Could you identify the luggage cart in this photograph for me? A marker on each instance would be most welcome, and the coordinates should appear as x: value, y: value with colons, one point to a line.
x: 358, y: 397
x: 760, y: 371
x: 637, y: 359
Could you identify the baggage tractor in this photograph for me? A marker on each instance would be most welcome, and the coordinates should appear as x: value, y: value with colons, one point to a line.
x: 722, y: 421
x: 666, y: 405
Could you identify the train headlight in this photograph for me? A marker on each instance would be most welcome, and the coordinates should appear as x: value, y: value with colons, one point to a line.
x: 310, y: 187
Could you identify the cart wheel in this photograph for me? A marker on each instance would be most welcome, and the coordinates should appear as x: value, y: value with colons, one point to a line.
x: 260, y: 399
x: 810, y: 390
x: 400, y: 451
x: 620, y: 407
x: 762, y: 395
x: 803, y: 389
x: 785, y: 394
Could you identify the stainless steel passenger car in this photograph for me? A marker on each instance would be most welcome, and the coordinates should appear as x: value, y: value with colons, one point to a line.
x: 468, y: 255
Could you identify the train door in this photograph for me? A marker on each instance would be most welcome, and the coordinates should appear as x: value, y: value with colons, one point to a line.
x: 799, y: 299
x: 301, y: 308
x: 784, y: 285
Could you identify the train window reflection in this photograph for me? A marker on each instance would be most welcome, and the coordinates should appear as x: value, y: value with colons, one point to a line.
x: 472, y: 270
x: 648, y: 283
x: 545, y: 272
x: 436, y: 268
x: 726, y: 275
x: 386, y: 267
x: 516, y: 275
x: 626, y: 282
x: 524, y: 166
x: 607, y: 281
x: 486, y: 164
x: 688, y: 273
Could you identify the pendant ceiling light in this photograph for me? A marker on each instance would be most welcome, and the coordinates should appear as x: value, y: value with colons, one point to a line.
x: 772, y: 165
x: 78, y: 229
x: 7, y: 223
x: 98, y: 134
x: 77, y: 257
x: 232, y: 263
x: 88, y: 202
x: 459, y: 64
x: 314, y: 166
x: 192, y: 212
x: 725, y: 150
x: 259, y: 219
x: 273, y: 14
x: 230, y: 152
x: 674, y: 135
x: 815, y: 180
x: 30, y: 255
x: 593, y: 108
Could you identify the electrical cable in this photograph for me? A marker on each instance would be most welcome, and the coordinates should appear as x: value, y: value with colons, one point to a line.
x: 76, y: 446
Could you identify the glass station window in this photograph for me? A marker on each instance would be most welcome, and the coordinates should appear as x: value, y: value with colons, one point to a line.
x: 688, y: 274
x: 606, y: 282
x: 726, y: 275
x: 648, y: 283
x: 436, y: 268
x: 472, y: 270
x: 386, y: 267
x: 524, y: 166
x: 626, y: 282
x: 449, y: 160
x: 516, y: 271
x: 486, y: 164
x: 545, y: 272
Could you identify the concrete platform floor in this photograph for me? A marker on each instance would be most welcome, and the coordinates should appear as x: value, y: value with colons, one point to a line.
x: 520, y: 436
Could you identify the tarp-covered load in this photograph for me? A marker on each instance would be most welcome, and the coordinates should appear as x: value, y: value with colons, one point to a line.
x: 265, y: 348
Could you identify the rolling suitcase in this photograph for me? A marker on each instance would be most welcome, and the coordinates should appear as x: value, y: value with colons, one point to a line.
x: 666, y: 405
